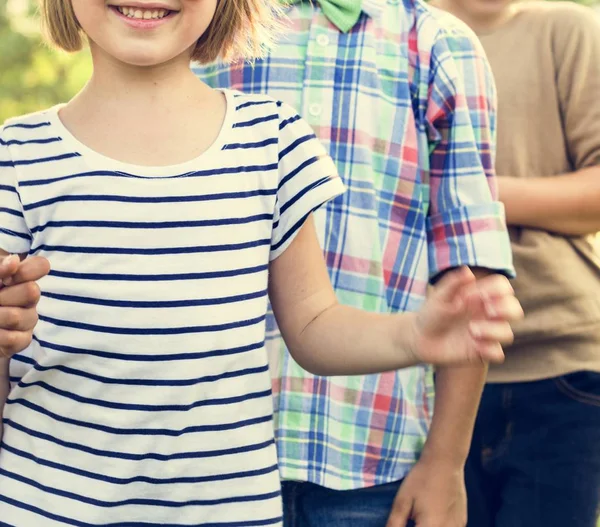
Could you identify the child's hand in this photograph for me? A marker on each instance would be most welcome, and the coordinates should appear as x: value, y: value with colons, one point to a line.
x: 466, y: 321
x: 19, y: 295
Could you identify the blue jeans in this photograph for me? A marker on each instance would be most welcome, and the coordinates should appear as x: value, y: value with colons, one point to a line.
x: 535, y: 458
x: 308, y: 505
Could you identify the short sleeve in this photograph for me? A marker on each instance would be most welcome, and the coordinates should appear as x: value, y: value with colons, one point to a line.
x: 307, y: 178
x: 577, y: 56
x: 466, y: 224
x: 15, y: 237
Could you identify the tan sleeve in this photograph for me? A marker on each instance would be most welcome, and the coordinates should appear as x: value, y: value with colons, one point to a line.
x: 576, y: 42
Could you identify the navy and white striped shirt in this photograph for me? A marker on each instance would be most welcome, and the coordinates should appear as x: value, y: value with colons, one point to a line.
x: 145, y: 398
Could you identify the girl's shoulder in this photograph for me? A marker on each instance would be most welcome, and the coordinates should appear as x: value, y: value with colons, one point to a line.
x: 254, y: 110
x: 255, y: 103
x: 25, y: 128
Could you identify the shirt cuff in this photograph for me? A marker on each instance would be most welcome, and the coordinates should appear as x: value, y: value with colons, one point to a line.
x: 473, y: 236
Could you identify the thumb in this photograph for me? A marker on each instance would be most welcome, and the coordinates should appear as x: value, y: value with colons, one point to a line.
x: 32, y: 269
x: 401, y: 512
x: 8, y: 266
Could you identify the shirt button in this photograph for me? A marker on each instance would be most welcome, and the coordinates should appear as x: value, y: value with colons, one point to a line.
x: 315, y: 110
x: 323, y: 40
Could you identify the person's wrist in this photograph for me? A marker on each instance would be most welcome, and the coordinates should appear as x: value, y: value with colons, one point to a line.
x: 451, y: 459
x: 407, y: 336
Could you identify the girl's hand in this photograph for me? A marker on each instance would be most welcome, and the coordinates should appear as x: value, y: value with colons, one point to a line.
x: 19, y: 295
x: 466, y: 321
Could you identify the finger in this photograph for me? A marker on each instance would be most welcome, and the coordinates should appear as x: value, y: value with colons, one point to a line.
x: 31, y: 269
x: 8, y: 265
x: 22, y: 295
x: 12, y: 342
x: 506, y: 308
x: 400, y: 514
x: 476, y: 307
x: 489, y: 289
x: 492, y: 331
x: 491, y: 353
x: 493, y: 286
x: 448, y: 289
x: 18, y: 319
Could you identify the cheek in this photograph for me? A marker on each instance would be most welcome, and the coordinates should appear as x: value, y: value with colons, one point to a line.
x: 200, y: 19
x: 86, y: 12
x: 201, y: 12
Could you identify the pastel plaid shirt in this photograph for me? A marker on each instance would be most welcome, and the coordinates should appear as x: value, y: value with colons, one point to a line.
x: 413, y: 144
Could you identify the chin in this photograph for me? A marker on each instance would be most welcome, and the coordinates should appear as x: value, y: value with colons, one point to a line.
x: 492, y: 7
x: 143, y: 58
x: 142, y: 61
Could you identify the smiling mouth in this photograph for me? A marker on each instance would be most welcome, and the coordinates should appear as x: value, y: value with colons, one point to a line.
x: 143, y: 14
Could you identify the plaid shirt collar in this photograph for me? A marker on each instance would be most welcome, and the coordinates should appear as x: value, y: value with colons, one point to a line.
x: 372, y: 8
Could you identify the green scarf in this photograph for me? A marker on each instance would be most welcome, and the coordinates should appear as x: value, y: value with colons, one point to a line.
x: 344, y: 14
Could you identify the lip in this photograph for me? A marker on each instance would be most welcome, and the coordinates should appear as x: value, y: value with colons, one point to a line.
x: 143, y: 23
x: 145, y: 5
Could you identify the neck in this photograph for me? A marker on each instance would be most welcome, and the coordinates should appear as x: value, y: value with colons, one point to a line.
x: 478, y: 22
x: 133, y: 90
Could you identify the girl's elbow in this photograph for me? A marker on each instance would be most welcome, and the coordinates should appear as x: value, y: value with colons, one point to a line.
x: 308, y: 361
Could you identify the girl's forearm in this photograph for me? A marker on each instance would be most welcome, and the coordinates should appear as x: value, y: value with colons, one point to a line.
x: 354, y: 342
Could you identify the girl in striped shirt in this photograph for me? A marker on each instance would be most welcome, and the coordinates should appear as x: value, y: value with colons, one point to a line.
x: 170, y: 214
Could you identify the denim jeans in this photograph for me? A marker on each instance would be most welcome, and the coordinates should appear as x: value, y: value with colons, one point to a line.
x: 308, y: 505
x: 535, y: 458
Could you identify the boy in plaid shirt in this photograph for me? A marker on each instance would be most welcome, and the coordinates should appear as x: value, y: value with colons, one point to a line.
x: 403, y: 98
x: 405, y: 105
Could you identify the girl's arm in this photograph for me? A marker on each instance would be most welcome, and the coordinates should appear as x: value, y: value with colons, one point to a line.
x: 463, y: 320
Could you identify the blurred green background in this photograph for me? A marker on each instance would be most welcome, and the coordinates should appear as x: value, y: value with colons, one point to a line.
x: 33, y: 76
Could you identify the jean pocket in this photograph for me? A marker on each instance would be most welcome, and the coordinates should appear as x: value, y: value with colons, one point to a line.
x: 581, y: 386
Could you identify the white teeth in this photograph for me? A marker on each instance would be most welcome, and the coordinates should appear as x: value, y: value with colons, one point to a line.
x: 142, y: 14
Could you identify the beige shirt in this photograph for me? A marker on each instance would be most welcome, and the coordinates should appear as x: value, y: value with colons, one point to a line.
x: 546, y: 61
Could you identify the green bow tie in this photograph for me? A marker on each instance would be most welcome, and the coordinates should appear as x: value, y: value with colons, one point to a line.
x: 344, y: 14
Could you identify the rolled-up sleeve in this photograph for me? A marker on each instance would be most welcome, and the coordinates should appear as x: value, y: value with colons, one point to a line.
x: 466, y: 224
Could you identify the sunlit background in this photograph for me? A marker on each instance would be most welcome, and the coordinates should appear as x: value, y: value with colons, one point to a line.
x: 32, y: 76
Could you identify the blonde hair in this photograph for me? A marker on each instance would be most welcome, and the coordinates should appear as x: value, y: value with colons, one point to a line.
x: 240, y: 29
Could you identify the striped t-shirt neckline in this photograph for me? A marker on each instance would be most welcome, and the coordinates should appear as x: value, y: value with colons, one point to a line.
x: 97, y: 160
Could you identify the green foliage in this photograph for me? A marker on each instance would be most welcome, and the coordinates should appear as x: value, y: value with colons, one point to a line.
x: 32, y: 75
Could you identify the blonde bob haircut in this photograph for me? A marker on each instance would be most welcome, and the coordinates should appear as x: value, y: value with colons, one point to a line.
x: 240, y: 29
